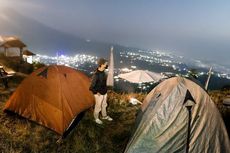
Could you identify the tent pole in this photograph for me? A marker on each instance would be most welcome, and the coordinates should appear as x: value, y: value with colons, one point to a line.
x: 189, y: 128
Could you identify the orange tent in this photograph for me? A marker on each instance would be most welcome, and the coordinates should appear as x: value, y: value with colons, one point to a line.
x: 52, y: 96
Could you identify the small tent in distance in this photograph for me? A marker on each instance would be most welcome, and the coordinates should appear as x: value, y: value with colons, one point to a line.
x: 52, y: 96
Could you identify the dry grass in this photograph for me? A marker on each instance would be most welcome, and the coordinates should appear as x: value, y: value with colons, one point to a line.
x: 18, y: 135
x: 218, y: 97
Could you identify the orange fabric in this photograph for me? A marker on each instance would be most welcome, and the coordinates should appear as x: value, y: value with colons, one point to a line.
x: 53, y: 101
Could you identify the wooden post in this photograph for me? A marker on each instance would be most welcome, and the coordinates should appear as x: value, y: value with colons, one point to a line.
x: 5, y: 51
x: 209, y: 76
x: 21, y: 59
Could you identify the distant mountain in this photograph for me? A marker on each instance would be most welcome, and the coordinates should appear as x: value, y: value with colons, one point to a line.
x: 42, y: 39
x: 46, y: 40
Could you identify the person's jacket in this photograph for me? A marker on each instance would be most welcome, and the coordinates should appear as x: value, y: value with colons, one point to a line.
x: 98, y: 83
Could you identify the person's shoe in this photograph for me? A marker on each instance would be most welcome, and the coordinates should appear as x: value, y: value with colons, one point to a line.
x: 98, y: 121
x: 107, y: 118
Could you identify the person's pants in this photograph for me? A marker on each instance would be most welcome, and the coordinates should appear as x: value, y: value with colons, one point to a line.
x: 100, y: 106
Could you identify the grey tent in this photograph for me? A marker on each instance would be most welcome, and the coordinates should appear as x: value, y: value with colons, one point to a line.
x: 162, y: 124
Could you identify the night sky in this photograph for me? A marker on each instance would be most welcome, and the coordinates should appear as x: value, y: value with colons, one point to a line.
x: 198, y: 28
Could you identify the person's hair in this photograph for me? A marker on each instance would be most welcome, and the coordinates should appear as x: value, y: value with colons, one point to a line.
x: 101, y: 61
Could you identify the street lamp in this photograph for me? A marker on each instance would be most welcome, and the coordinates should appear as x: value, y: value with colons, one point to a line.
x: 188, y: 103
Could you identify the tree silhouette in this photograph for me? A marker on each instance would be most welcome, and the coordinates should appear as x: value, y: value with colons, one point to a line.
x: 193, y: 73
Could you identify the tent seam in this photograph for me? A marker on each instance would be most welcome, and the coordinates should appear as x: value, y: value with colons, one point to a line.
x: 60, y: 97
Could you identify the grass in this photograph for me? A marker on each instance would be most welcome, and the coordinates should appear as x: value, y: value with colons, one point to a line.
x: 218, y: 97
x: 18, y: 135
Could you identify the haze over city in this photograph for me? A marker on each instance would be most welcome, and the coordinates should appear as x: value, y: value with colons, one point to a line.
x: 197, y: 29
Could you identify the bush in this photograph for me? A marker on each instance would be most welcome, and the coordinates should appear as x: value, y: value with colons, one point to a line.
x: 38, y: 65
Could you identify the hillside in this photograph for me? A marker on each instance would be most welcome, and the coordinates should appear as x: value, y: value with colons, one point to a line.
x: 42, y: 39
x: 20, y: 135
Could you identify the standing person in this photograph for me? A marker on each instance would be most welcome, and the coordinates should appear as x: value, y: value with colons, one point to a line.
x: 99, y: 89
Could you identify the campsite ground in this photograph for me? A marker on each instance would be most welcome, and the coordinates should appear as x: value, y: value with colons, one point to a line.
x: 22, y: 136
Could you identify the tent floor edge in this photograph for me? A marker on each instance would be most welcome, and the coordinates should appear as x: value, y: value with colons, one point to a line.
x: 73, y: 124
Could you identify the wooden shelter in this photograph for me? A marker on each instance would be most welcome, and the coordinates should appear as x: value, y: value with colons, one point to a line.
x: 11, y: 42
x: 28, y: 56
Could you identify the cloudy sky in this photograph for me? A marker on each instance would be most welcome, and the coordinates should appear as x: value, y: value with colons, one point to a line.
x: 198, y: 28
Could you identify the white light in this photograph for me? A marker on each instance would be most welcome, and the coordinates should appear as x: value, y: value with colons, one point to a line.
x: 134, y: 67
x: 126, y: 70
x: 134, y: 101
